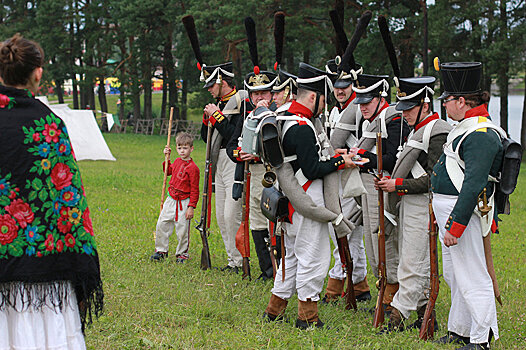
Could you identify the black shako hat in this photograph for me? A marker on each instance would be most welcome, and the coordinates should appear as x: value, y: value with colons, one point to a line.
x: 344, y: 79
x: 214, y: 74
x: 285, y: 79
x: 460, y: 78
x: 260, y: 80
x: 414, y: 91
x: 314, y: 79
x: 369, y: 86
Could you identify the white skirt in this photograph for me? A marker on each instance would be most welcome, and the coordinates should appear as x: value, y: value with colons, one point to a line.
x: 47, y: 327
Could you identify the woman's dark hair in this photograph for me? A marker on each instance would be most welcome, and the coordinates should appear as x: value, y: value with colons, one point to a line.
x: 475, y: 100
x: 18, y: 58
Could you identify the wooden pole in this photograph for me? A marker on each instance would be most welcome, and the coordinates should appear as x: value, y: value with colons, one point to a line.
x: 167, y: 156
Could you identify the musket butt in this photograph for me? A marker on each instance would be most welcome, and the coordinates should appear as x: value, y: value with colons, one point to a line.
x: 499, y: 299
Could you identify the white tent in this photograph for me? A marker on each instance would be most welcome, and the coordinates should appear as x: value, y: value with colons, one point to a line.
x: 86, y: 139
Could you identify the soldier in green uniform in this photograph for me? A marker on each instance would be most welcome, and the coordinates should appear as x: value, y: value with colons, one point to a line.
x: 462, y: 176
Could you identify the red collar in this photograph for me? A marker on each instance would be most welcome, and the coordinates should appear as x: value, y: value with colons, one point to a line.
x: 479, y: 111
x: 299, y: 109
x: 426, y: 121
x: 346, y: 104
x: 229, y: 95
x: 379, y: 111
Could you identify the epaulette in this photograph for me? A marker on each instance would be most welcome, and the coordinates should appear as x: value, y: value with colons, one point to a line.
x: 482, y: 120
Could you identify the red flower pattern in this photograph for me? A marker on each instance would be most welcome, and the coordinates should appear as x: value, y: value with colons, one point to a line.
x: 64, y: 225
x: 4, y: 101
x: 36, y: 137
x: 61, y: 176
x: 59, y: 246
x: 70, y: 240
x: 21, y: 212
x: 8, y: 229
x: 51, y: 132
x: 86, y: 222
x: 49, y: 243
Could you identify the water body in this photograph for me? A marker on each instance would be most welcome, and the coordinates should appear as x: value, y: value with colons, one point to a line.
x: 514, y: 113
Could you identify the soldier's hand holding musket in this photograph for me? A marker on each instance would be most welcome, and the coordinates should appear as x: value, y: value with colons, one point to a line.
x: 386, y: 184
x: 210, y: 109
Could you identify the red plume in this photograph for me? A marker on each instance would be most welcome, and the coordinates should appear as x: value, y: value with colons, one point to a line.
x: 256, y: 70
x: 199, y: 66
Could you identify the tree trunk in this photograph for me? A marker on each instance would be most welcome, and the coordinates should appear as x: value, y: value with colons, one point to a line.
x: 135, y: 85
x: 306, y: 55
x: 147, y: 87
x: 523, y: 126
x: 59, y: 90
x: 75, y: 91
x: 502, y: 72
x: 164, y: 99
x: 102, y: 95
x: 184, y: 98
x: 425, y: 62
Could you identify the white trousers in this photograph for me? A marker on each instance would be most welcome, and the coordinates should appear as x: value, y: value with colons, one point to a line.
x: 356, y: 247
x: 413, y: 245
x: 308, y: 254
x: 258, y: 221
x: 40, y: 329
x: 228, y: 211
x: 473, y: 311
x: 371, y: 228
x: 167, y: 222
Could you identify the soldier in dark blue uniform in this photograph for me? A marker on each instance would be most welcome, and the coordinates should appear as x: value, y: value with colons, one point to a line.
x: 259, y: 85
x: 462, y: 180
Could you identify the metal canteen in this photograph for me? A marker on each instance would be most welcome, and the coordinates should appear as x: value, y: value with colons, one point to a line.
x: 269, y: 178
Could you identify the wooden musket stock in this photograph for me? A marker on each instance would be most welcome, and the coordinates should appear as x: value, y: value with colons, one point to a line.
x: 382, y: 271
x: 347, y: 266
x: 204, y: 224
x: 428, y: 323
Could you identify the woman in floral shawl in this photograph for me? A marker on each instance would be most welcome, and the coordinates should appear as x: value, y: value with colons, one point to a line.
x: 49, y: 268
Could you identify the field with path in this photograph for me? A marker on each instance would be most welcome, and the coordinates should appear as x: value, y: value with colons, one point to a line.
x: 173, y: 306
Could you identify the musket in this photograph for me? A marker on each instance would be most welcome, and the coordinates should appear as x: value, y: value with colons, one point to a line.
x: 489, y: 265
x: 273, y: 250
x: 204, y: 224
x: 428, y: 323
x: 167, y: 157
x: 347, y: 266
x: 382, y: 271
x: 242, y: 234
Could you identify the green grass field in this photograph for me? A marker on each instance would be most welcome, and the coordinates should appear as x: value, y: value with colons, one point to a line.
x: 172, y: 306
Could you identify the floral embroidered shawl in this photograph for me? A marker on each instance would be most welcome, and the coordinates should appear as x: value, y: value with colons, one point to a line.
x: 46, y: 233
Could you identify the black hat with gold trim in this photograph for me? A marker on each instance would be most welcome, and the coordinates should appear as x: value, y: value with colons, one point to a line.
x: 460, y: 78
x: 413, y: 92
x: 369, y: 86
x: 210, y: 75
x: 258, y: 80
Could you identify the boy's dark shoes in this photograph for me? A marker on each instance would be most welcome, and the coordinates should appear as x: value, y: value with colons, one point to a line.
x: 452, y: 338
x: 181, y: 259
x: 159, y: 256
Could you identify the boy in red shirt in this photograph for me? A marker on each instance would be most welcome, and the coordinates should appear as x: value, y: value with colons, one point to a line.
x: 178, y: 209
